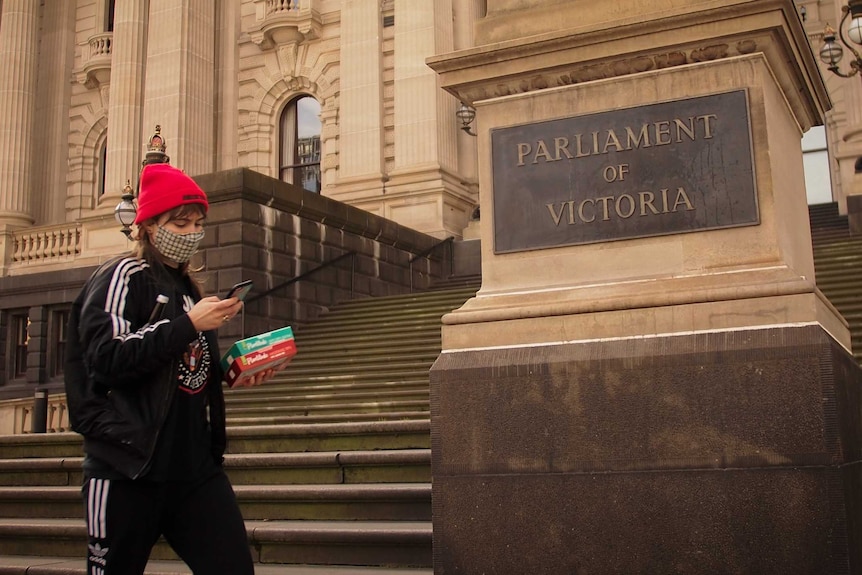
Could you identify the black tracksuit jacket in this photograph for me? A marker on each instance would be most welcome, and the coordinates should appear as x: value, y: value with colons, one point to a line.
x: 121, y: 370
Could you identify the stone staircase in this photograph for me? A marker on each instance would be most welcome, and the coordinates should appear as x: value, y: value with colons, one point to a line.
x: 331, y: 461
x: 838, y: 266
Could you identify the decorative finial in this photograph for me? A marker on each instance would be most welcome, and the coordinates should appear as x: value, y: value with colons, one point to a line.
x: 156, y: 147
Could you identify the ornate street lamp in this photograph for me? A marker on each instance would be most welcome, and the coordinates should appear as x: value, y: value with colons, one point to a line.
x: 126, y: 210
x: 831, y: 52
x: 466, y: 114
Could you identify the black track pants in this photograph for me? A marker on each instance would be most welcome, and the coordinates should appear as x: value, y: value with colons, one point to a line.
x: 201, y: 521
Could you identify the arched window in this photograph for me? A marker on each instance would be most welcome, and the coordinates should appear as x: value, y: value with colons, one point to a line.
x: 299, y: 153
x: 100, y: 182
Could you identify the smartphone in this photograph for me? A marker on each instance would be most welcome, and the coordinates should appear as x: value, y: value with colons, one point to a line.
x: 240, y: 290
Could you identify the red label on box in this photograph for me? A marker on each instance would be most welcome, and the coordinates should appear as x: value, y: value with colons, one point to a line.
x: 274, y: 356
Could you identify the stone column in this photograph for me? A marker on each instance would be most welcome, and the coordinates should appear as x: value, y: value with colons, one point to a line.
x: 52, y: 118
x: 125, y: 135
x: 180, y: 94
x: 425, y: 124
x: 19, y: 49
x: 227, y: 33
x: 361, y: 99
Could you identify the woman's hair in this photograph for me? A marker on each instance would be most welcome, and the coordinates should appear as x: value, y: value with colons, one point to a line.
x: 145, y: 250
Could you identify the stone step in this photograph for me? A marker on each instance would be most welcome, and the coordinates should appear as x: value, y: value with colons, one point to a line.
x: 323, y: 467
x: 417, y: 299
x: 45, y: 565
x: 369, y: 341
x: 345, y: 412
x: 312, y: 401
x: 330, y: 437
x: 327, y: 362
x: 368, y: 376
x: 420, y: 412
x: 366, y: 543
x: 255, y: 439
x: 359, y: 502
x: 377, y: 335
x: 368, y: 353
x: 350, y: 368
x: 371, y: 313
x: 346, y: 326
x: 280, y: 384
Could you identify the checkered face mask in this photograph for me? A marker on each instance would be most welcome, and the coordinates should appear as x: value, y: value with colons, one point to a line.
x: 177, y: 247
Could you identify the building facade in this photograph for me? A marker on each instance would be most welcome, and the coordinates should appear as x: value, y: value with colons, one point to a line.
x: 331, y: 95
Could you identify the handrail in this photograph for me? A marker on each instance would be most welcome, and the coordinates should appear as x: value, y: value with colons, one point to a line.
x: 426, y: 252
x: 308, y: 273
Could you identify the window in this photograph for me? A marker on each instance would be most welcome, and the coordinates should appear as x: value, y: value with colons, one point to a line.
x: 59, y: 327
x: 300, y: 143
x: 815, y: 162
x: 20, y: 339
x: 109, y: 16
x: 103, y: 156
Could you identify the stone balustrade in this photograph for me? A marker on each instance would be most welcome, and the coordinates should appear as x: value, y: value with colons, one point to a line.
x: 96, y: 71
x: 16, y: 416
x: 281, y: 22
x: 46, y: 244
x: 100, y: 45
x: 276, y: 6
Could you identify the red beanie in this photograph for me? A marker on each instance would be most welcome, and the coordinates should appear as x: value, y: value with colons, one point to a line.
x: 164, y: 188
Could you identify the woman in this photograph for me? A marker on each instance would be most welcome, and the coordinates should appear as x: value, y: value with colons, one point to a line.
x: 143, y: 382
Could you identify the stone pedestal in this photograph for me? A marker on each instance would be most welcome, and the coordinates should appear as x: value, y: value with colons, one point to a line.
x: 649, y: 380
x: 698, y: 454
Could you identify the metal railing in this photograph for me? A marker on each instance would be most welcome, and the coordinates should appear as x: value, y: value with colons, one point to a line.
x: 302, y: 276
x: 324, y: 265
x: 427, y: 252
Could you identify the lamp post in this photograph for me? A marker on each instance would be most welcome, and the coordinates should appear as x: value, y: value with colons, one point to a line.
x: 831, y: 52
x: 126, y: 210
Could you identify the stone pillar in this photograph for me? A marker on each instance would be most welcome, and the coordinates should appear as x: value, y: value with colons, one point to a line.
x: 649, y: 380
x: 426, y: 189
x: 361, y: 99
x: 125, y: 105
x: 52, y: 117
x: 180, y: 94
x: 227, y: 34
x: 19, y: 50
x: 425, y: 124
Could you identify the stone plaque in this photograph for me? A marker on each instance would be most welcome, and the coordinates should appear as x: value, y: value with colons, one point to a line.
x: 666, y: 168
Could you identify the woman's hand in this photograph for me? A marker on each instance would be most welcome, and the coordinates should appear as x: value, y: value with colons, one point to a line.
x: 212, y: 312
x: 256, y: 379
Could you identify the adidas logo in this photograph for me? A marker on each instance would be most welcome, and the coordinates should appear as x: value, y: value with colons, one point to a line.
x: 97, y: 550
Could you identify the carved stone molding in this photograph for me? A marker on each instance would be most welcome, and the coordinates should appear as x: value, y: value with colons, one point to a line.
x: 599, y: 70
